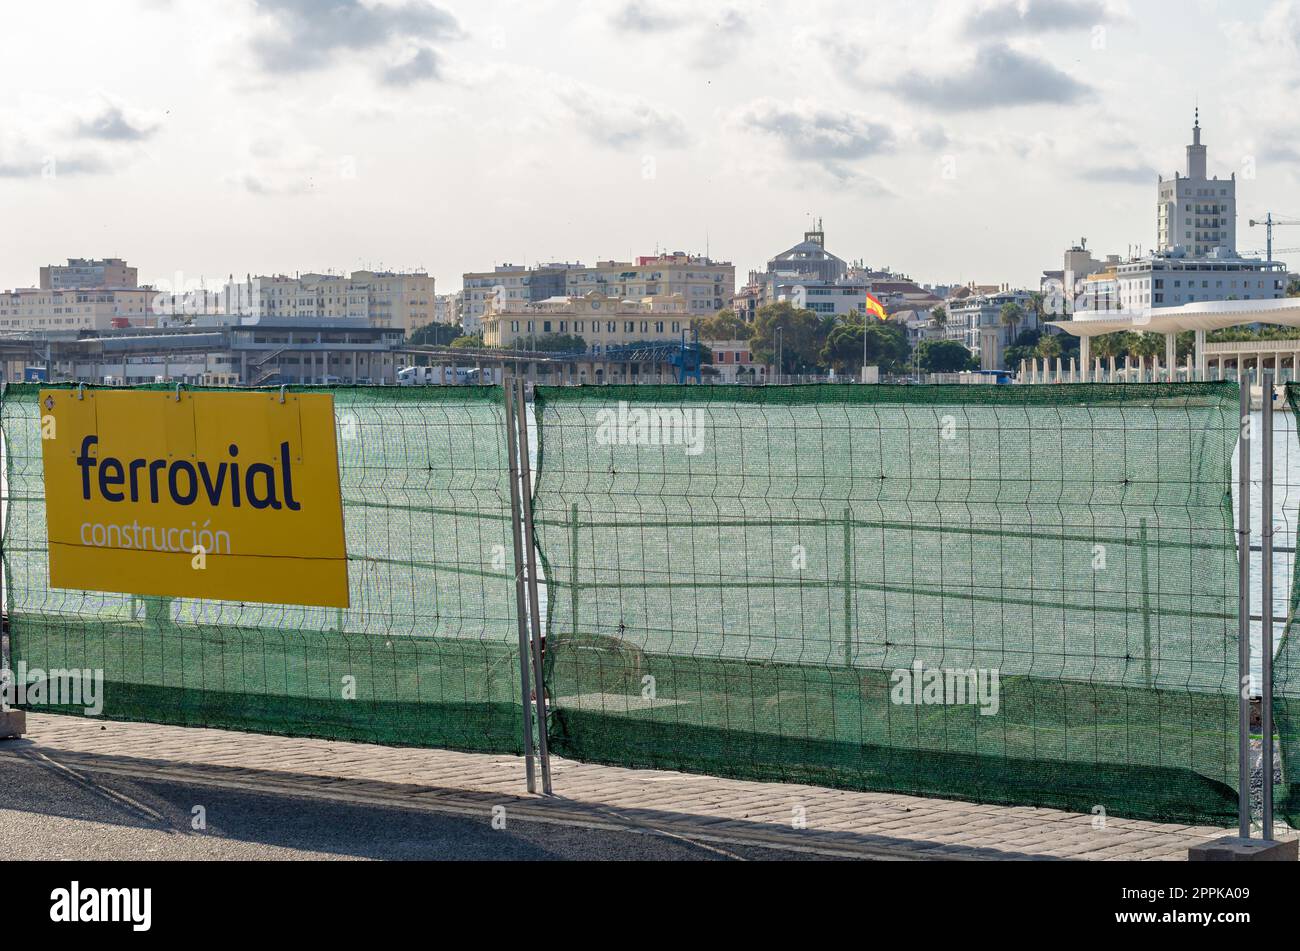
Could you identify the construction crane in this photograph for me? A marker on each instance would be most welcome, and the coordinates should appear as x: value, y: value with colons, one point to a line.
x: 1269, y: 224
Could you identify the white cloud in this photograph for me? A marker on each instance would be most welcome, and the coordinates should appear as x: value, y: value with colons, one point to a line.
x: 809, y: 132
x: 620, y: 121
x: 301, y: 36
x: 1002, y: 18
x: 996, y: 77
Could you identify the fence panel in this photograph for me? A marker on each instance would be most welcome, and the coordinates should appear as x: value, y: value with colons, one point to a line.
x: 1022, y: 595
x: 427, y: 654
x: 1286, y: 664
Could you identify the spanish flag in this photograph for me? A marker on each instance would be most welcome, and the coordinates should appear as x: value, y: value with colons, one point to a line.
x: 875, y: 307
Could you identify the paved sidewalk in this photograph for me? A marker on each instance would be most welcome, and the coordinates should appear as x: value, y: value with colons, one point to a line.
x: 699, y: 808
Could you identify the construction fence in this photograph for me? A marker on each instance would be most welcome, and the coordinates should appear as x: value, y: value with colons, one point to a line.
x: 1018, y: 595
x: 426, y: 654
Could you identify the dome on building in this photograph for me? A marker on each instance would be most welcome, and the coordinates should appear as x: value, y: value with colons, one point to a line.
x: 809, y: 258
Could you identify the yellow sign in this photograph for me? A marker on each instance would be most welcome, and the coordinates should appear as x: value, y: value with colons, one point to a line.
x: 233, y: 496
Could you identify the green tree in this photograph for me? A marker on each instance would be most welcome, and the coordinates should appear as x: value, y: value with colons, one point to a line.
x: 551, y: 343
x: 1105, y: 346
x: 1146, y: 344
x: 1011, y: 315
x: 944, y: 356
x: 1037, y: 307
x: 724, y: 325
x: 473, y: 342
x: 886, y: 345
x: 1293, y: 288
x: 435, y: 335
x: 1049, y: 347
x: 939, y: 316
x: 1023, y: 348
x: 801, y: 339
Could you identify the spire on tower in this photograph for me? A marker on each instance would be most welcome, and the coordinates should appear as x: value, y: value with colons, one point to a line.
x: 1196, y: 151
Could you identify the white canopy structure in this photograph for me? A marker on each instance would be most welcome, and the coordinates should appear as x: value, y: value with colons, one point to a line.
x: 1202, y: 315
x: 1199, y: 318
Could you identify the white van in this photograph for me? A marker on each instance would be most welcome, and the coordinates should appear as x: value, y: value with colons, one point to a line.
x: 431, y: 376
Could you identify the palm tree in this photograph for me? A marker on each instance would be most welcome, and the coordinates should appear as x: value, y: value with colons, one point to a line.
x: 1049, y: 347
x: 1106, y: 346
x: 1037, y: 308
x: 1011, y: 314
x: 939, y: 317
x: 1146, y: 345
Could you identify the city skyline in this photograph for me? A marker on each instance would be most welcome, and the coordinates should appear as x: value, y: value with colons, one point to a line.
x: 453, y: 137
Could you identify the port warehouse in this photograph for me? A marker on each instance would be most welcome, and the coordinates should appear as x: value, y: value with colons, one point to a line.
x: 271, y: 351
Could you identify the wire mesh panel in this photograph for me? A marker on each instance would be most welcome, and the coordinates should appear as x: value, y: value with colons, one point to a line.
x: 427, y: 654
x: 1286, y: 666
x: 1010, y: 594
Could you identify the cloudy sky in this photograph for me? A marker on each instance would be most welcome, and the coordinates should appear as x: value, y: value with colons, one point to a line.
x: 954, y: 141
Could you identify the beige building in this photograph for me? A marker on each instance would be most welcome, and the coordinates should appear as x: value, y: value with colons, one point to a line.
x: 391, y: 299
x: 86, y: 272
x: 706, y: 286
x: 448, y: 308
x: 76, y: 309
x: 601, y: 321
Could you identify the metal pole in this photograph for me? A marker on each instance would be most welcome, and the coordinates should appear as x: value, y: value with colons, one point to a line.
x: 780, y: 357
x: 1243, y: 608
x: 1266, y: 599
x: 534, y: 612
x: 6, y: 660
x: 520, y: 608
x: 864, y: 349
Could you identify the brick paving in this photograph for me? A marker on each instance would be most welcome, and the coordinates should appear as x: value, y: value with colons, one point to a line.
x: 702, y: 808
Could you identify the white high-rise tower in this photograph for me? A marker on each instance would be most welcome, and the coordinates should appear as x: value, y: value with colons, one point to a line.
x: 1196, y: 213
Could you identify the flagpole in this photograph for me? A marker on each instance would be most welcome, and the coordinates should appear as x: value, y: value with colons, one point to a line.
x: 863, y: 378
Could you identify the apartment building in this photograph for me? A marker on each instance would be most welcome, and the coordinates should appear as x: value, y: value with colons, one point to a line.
x: 88, y: 272
x: 975, y: 319
x: 49, y: 310
x: 1195, y: 212
x: 398, y: 300
x: 449, y: 309
x: 512, y: 285
x: 705, y: 285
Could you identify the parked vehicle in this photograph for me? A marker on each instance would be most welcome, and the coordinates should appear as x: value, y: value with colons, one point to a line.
x: 432, y: 376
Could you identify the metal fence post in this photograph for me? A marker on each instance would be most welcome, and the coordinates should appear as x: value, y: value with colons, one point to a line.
x: 516, y: 529
x: 1243, y: 607
x: 1266, y: 607
x: 6, y: 661
x: 530, y: 559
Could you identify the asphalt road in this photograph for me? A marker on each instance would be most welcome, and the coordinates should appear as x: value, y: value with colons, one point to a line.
x: 50, y: 811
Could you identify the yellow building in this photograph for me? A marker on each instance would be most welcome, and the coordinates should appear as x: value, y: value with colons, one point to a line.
x: 601, y: 321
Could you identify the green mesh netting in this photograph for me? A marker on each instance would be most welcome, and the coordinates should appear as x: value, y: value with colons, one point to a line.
x: 742, y: 582
x: 1286, y: 683
x: 430, y: 640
